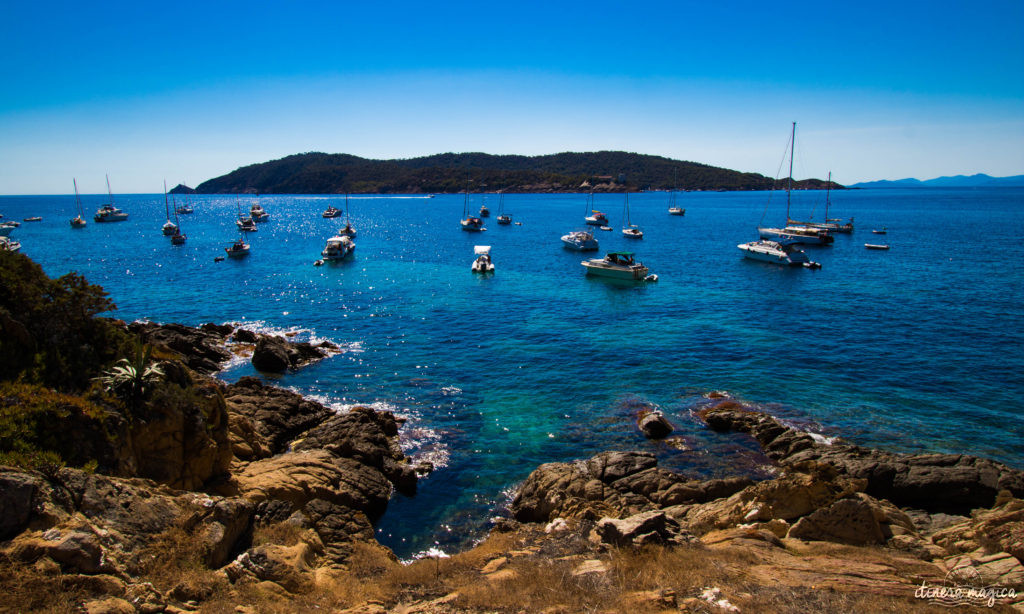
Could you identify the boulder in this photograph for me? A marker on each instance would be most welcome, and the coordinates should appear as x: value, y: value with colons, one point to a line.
x: 201, y: 349
x: 998, y: 529
x: 244, y: 336
x: 654, y: 425
x: 287, y: 566
x: 653, y: 527
x: 17, y: 491
x: 271, y: 354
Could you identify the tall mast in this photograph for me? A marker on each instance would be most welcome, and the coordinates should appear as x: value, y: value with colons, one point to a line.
x: 789, y: 184
x: 828, y: 187
x: 78, y: 201
x: 166, y: 208
x: 108, y: 190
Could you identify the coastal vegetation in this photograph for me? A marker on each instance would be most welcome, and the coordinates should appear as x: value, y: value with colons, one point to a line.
x: 607, y: 171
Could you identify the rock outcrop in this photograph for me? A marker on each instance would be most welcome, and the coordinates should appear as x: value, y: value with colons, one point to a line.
x: 950, y: 483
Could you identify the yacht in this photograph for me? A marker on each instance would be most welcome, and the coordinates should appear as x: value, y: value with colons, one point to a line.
x: 108, y: 212
x: 673, y: 206
x: 630, y: 230
x: 169, y: 228
x: 831, y: 224
x: 258, y: 213
x: 246, y: 224
x: 484, y: 211
x: 332, y: 212
x: 483, y: 263
x: 776, y: 253
x: 617, y: 265
x: 805, y: 235
x: 596, y: 218
x: 472, y: 224
x: 348, y: 230
x: 581, y: 241
x: 9, y: 245
x: 503, y: 218
x: 338, y: 248
x: 238, y: 249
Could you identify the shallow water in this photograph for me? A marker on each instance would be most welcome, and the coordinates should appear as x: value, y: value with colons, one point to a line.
x: 916, y: 348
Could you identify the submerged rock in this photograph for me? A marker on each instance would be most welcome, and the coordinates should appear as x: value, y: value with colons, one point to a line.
x: 654, y: 425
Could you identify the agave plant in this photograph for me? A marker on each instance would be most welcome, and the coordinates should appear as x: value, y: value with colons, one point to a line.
x: 132, y: 378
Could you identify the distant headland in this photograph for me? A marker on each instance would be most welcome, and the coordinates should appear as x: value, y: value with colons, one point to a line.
x: 450, y: 173
x: 979, y: 180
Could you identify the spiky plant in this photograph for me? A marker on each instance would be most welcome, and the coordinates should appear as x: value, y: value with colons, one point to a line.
x: 131, y: 379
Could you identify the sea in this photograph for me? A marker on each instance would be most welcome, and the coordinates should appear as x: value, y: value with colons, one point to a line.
x: 916, y: 349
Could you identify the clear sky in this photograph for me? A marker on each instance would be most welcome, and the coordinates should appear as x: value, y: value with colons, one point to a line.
x: 188, y: 91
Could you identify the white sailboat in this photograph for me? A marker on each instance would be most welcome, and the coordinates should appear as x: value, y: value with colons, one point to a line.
x: 503, y: 218
x: 470, y: 223
x: 596, y: 218
x: 673, y: 206
x: 794, y: 233
x: 348, y: 230
x: 79, y: 220
x: 169, y: 227
x: 830, y: 224
x: 631, y: 231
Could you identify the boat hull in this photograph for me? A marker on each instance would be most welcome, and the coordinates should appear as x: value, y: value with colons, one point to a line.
x: 599, y: 268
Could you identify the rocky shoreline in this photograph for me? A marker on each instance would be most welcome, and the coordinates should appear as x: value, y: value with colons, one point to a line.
x: 271, y: 499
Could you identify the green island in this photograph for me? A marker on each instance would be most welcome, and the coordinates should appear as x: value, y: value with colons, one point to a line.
x: 450, y: 173
x: 133, y: 480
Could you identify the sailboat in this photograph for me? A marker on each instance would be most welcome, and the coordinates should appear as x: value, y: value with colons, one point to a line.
x: 177, y: 238
x: 348, y: 230
x: 830, y: 224
x: 631, y: 231
x: 795, y: 233
x: 108, y: 212
x: 170, y: 227
x: 484, y: 211
x: 503, y: 218
x: 186, y: 208
x: 245, y: 223
x: 596, y: 218
x: 673, y: 207
x: 470, y: 223
x: 78, y: 221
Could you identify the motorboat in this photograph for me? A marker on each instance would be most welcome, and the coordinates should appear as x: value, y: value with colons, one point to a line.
x: 596, y: 219
x: 6, y: 229
x: 605, y: 228
x: 238, y: 249
x: 617, y: 265
x: 876, y: 246
x: 338, y: 248
x: 258, y: 213
x: 331, y: 212
x: 581, y: 241
x: 34, y: 218
x: 8, y: 244
x: 108, y: 212
x: 246, y: 224
x: 880, y: 232
x: 776, y: 253
x: 472, y: 224
x: 483, y: 263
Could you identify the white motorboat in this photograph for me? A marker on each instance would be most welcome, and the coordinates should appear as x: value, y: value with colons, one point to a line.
x: 581, y: 241
x: 880, y: 232
x: 331, y: 212
x: 6, y: 229
x: 79, y: 220
x: 876, y: 246
x: 338, y: 248
x: 258, y: 213
x: 238, y: 249
x: 617, y: 265
x: 483, y: 263
x: 108, y: 212
x: 8, y: 244
x: 776, y: 253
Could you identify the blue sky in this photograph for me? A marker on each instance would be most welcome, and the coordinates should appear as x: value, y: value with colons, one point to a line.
x: 189, y: 91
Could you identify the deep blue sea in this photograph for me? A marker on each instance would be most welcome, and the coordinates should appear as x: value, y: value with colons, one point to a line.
x: 913, y: 349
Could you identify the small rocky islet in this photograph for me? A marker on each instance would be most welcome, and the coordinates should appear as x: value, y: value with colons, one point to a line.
x: 246, y: 497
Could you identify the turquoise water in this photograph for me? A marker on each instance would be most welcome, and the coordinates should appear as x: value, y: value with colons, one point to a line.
x: 918, y: 348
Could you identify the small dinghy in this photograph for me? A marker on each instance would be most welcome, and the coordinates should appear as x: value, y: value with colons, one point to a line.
x: 876, y: 246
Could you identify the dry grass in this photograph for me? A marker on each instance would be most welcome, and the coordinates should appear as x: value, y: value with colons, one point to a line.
x: 26, y: 588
